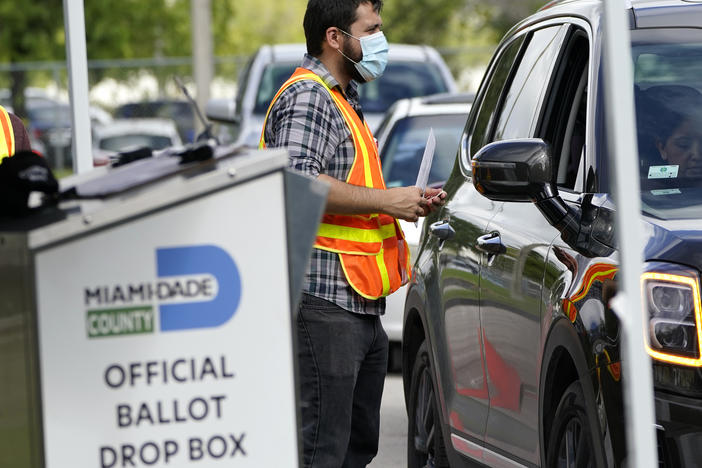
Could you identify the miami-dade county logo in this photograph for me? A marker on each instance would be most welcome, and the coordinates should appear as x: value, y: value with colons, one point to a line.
x: 197, y: 287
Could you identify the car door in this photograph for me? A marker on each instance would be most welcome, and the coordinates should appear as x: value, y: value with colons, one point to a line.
x: 513, y: 256
x: 456, y: 329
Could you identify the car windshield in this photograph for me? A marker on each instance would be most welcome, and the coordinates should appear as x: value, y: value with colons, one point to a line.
x: 273, y: 77
x: 400, y: 80
x: 125, y: 142
x: 668, y: 95
x: 403, y: 151
x: 50, y: 115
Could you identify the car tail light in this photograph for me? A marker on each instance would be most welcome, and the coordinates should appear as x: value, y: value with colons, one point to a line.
x: 672, y: 303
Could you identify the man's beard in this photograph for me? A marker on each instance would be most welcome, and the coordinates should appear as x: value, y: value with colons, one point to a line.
x: 349, y: 66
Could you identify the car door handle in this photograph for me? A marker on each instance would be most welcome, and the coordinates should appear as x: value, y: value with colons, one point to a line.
x: 491, y: 244
x: 442, y: 230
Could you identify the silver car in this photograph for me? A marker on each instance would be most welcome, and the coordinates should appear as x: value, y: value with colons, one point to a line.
x: 412, y: 70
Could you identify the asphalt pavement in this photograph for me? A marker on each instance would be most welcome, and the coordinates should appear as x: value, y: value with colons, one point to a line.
x: 392, y: 452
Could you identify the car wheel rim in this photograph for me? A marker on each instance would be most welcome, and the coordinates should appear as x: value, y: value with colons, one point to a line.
x: 574, y: 448
x: 424, y: 427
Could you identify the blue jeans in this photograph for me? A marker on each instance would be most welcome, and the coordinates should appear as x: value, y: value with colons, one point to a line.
x: 342, y: 360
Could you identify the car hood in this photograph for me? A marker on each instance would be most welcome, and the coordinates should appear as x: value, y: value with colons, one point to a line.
x: 676, y: 241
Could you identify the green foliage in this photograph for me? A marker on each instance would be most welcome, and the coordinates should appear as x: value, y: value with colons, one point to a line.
x: 242, y: 26
x: 31, y: 31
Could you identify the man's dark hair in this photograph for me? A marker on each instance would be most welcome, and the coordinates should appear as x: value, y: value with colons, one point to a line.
x: 324, y: 14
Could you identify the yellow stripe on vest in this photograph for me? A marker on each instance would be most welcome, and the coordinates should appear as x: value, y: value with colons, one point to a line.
x: 334, y: 231
x: 383, y: 269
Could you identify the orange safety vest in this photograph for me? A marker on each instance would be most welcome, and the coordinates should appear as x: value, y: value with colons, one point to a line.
x: 372, y: 248
x: 7, y: 135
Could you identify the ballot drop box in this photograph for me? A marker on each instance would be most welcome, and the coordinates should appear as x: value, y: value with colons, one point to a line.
x: 147, y: 321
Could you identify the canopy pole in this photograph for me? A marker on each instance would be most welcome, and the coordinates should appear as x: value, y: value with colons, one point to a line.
x: 623, y: 162
x: 74, y: 24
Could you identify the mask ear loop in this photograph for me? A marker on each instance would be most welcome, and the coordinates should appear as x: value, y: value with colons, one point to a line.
x: 346, y: 56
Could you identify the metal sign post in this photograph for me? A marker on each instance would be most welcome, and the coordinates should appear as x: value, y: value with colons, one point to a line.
x: 638, y: 384
x: 76, y: 54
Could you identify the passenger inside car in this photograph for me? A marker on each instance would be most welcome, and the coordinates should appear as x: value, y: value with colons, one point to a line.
x: 670, y: 132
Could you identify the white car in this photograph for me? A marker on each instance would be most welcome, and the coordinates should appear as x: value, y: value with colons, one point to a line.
x: 412, y: 70
x: 129, y: 134
x: 402, y: 137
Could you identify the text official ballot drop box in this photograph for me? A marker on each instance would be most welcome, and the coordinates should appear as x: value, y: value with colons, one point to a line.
x: 160, y: 316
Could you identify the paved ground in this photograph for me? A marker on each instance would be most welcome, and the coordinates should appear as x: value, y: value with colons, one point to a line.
x: 393, y: 426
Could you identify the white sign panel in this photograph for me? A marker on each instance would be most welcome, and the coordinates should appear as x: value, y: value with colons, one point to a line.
x: 166, y: 341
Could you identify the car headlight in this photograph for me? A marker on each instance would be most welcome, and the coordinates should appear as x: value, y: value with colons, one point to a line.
x: 672, y: 302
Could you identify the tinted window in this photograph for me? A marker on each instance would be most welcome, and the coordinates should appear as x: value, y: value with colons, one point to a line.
x: 273, y: 77
x: 401, y: 80
x: 50, y: 115
x: 179, y: 111
x: 123, y: 142
x: 668, y: 93
x: 402, y: 154
x: 491, y: 96
x: 521, y: 103
x: 565, y: 117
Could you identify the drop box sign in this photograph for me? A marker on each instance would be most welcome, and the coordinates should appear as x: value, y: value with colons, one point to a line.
x: 166, y: 342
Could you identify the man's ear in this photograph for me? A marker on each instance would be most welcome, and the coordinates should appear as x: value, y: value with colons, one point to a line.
x: 332, y: 38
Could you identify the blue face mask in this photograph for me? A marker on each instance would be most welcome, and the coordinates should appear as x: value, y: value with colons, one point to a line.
x: 375, y: 55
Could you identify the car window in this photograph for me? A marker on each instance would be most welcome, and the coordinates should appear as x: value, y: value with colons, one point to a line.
x: 399, y: 81
x: 273, y: 77
x: 521, y: 103
x: 668, y: 96
x: 124, y: 142
x: 402, y: 154
x: 565, y: 117
x: 489, y: 98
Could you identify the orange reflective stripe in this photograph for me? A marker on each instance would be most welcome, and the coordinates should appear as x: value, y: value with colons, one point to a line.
x: 7, y: 145
x: 362, y: 222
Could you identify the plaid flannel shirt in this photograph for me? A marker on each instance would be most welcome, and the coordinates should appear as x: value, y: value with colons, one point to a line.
x: 306, y: 121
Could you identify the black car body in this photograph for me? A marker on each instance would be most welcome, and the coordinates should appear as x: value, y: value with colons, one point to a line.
x: 511, y: 353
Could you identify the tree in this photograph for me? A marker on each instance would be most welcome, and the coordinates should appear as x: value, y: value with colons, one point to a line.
x: 31, y: 31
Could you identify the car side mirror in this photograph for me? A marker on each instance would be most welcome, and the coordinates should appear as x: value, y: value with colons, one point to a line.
x: 514, y: 170
x: 221, y: 110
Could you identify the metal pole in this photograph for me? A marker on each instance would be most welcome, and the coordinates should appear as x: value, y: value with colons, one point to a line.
x: 203, y: 56
x: 621, y: 129
x: 74, y: 24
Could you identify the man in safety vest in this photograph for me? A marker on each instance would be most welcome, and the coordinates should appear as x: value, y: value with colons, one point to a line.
x: 13, y: 135
x: 360, y: 253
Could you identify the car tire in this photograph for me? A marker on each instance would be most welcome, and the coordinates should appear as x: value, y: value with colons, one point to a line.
x: 425, y: 441
x: 570, y: 442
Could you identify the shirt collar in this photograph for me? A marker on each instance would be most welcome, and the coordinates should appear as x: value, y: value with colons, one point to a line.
x: 314, y: 65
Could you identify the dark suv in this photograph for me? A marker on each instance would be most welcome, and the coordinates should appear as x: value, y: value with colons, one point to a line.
x: 511, y: 353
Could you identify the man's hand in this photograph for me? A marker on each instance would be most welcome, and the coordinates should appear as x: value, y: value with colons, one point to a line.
x: 436, y: 197
x: 399, y: 202
x: 408, y: 203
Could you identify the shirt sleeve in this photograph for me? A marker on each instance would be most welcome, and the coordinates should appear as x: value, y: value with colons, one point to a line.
x: 302, y: 120
x: 21, y: 136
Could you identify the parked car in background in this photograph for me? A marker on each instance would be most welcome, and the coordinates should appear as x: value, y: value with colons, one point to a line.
x: 412, y: 71
x: 129, y: 134
x: 49, y: 124
x: 180, y: 111
x: 402, y: 137
x: 511, y: 352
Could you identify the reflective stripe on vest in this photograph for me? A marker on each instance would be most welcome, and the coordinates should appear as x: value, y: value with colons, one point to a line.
x: 373, y: 252
x: 7, y: 135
